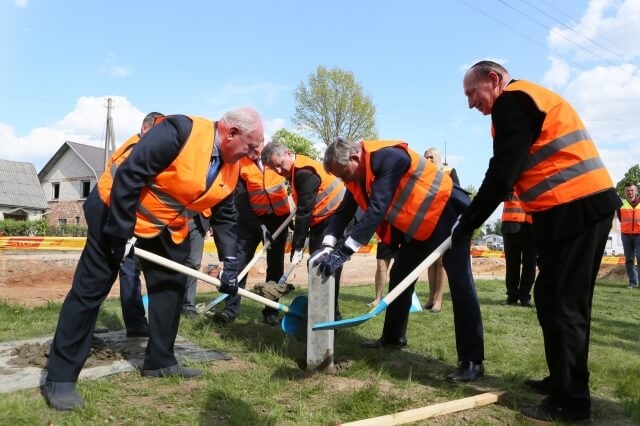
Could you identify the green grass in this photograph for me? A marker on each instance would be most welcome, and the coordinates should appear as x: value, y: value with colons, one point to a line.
x: 264, y: 384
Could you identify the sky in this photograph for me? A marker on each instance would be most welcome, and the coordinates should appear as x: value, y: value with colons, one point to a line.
x: 62, y: 59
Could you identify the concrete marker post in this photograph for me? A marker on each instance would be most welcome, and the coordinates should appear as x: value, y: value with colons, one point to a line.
x: 321, y: 308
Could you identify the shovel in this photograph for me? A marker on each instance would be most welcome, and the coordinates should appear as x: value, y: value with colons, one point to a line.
x: 252, y: 262
x: 393, y: 294
x: 296, y: 314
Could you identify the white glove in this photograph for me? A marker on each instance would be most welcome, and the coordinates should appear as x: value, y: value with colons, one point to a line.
x: 296, y: 257
x: 319, y: 253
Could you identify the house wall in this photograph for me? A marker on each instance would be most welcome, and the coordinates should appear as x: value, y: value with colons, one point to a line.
x: 31, y: 214
x: 69, y: 210
x: 70, y: 171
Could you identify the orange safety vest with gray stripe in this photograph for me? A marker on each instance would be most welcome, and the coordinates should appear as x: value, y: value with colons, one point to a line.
x: 512, y: 210
x: 564, y: 163
x: 420, y: 198
x: 176, y: 194
x: 266, y: 189
x: 330, y: 192
x: 629, y: 218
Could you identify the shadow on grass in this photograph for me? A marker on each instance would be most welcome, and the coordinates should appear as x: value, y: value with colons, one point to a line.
x: 220, y: 410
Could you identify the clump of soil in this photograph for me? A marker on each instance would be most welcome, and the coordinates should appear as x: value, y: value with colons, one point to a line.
x: 36, y: 355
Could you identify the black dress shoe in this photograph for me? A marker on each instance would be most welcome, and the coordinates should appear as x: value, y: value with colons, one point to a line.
x: 542, y: 387
x: 383, y: 342
x: 62, y: 396
x: 138, y: 332
x: 510, y: 302
x: 549, y: 411
x: 222, y: 318
x: 189, y: 314
x: 173, y: 371
x: 526, y: 304
x: 467, y: 371
x: 271, y: 319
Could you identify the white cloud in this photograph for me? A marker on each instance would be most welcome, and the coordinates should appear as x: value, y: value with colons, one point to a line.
x: 112, y: 68
x: 607, y: 32
x: 85, y: 124
x: 558, y: 74
x: 22, y: 3
x: 604, y: 84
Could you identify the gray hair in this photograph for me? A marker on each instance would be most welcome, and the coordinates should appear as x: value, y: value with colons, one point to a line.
x: 245, y: 119
x: 272, y: 148
x: 483, y: 68
x: 437, y: 158
x: 339, y: 151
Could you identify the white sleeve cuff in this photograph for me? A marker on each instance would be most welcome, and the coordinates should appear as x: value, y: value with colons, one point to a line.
x: 329, y: 240
x: 352, y: 244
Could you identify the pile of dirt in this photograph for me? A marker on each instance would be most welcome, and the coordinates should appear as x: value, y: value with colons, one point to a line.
x: 36, y: 354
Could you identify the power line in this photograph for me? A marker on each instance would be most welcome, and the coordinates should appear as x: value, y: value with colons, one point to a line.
x: 587, y: 27
x: 515, y: 30
x: 555, y: 32
x: 618, y: 55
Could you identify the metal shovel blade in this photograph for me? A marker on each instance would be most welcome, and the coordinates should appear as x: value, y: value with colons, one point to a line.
x: 294, y: 322
x: 393, y: 294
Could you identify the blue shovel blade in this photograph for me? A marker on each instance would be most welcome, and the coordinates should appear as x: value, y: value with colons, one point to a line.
x: 350, y: 322
x: 294, y: 322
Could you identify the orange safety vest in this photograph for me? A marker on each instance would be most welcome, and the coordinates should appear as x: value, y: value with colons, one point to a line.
x: 629, y: 218
x: 512, y: 210
x: 266, y: 189
x: 179, y: 192
x: 420, y: 198
x: 563, y: 164
x: 330, y: 192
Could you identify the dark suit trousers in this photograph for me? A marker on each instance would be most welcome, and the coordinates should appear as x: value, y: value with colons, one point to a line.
x: 563, y: 294
x: 457, y: 264
x: 520, y: 261
x: 249, y: 238
x: 92, y: 281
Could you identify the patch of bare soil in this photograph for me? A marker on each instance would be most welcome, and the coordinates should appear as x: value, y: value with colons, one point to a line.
x: 36, y: 278
x: 36, y: 354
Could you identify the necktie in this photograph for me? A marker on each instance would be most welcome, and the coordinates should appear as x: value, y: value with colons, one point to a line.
x: 213, y: 170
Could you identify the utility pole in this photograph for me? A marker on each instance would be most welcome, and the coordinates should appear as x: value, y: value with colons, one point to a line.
x: 445, y: 154
x: 109, y: 135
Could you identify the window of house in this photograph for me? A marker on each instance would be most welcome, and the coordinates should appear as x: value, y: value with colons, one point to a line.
x: 86, y: 188
x: 62, y: 222
x: 77, y: 220
x: 56, y: 190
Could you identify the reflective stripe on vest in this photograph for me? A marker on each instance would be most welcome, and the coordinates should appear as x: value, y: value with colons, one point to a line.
x: 177, y: 193
x: 266, y: 189
x: 629, y: 218
x: 512, y: 210
x: 330, y: 192
x: 564, y: 164
x: 421, y: 195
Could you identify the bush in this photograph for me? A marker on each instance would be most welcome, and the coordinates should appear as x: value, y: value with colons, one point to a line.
x: 21, y: 228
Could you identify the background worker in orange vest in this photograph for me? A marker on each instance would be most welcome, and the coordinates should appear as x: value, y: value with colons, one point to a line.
x: 543, y: 152
x: 316, y: 195
x: 395, y: 184
x: 184, y: 164
x: 629, y: 215
x: 436, y: 272
x: 261, y: 199
x: 519, y: 252
x: 133, y: 312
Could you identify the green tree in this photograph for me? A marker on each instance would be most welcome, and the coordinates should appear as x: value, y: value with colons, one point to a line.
x: 632, y: 175
x: 332, y: 104
x: 296, y: 143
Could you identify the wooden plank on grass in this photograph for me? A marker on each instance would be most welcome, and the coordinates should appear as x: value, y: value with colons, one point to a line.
x: 422, y: 413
